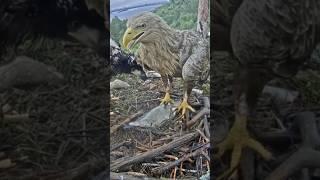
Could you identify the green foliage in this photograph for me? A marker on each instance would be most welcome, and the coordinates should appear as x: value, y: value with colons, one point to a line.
x: 117, y: 29
x: 179, y: 14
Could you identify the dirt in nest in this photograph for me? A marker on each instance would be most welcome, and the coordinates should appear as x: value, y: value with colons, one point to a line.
x: 67, y: 124
x: 271, y: 117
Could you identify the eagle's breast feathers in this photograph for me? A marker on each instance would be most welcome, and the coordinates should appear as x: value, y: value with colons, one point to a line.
x: 185, y: 54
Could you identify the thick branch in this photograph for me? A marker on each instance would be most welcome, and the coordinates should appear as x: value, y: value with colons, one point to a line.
x: 306, y: 156
x: 124, y: 162
x: 195, y: 153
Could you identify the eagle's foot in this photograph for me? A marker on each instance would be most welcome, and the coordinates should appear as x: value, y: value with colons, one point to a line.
x: 167, y: 99
x: 239, y: 138
x: 184, y: 106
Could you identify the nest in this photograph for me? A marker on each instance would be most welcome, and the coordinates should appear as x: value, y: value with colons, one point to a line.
x: 169, y: 151
x: 54, y: 132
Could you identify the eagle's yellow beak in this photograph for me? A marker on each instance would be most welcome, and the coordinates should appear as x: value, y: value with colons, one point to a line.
x: 130, y: 35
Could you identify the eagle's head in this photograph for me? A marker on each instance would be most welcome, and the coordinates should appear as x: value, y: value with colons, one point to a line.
x: 144, y: 28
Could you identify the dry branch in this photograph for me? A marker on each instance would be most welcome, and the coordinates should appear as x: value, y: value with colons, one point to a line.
x: 197, y: 152
x: 306, y: 156
x: 204, y: 111
x: 125, y: 143
x: 121, y: 164
x: 116, y: 176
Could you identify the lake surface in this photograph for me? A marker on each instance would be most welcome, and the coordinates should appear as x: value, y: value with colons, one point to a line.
x: 134, y: 11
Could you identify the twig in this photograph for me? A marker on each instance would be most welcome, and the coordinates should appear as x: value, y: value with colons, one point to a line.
x: 125, y: 176
x: 129, y: 119
x: 175, y: 172
x: 122, y: 163
x: 181, y: 173
x: 160, y: 170
x: 202, y: 135
x: 141, y: 148
x: 189, y: 170
x: 204, y: 111
x: 206, y: 156
x: 170, y: 156
x: 125, y: 143
x: 206, y: 126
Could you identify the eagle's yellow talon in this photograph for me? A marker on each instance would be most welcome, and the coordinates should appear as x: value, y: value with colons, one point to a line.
x: 167, y: 99
x: 184, y: 106
x: 239, y: 138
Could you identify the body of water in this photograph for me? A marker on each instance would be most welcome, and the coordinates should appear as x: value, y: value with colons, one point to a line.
x: 131, y: 12
x: 134, y: 11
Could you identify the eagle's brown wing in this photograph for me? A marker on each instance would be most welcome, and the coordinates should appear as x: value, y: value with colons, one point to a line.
x: 194, y: 57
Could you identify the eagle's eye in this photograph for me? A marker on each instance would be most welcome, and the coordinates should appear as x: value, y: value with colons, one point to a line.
x: 141, y: 26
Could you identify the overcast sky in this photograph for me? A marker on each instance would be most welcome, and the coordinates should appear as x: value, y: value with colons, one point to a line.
x: 126, y: 3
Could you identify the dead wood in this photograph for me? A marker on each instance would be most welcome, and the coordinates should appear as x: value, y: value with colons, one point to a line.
x: 117, y: 176
x: 170, y: 165
x: 125, y: 143
x: 123, y: 163
x: 206, y: 127
x: 203, y: 135
x: 306, y: 156
x: 132, y: 176
x: 204, y: 111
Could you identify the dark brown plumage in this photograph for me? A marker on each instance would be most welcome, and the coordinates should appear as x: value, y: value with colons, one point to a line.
x: 270, y: 38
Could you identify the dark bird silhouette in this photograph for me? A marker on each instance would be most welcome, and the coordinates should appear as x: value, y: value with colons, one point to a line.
x: 122, y: 62
x: 270, y: 38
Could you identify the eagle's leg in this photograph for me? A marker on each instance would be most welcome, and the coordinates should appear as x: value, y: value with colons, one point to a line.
x: 167, y: 84
x: 248, y: 86
x: 184, y: 105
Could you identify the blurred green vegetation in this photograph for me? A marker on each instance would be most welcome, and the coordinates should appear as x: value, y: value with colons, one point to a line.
x: 179, y: 14
x: 117, y: 29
